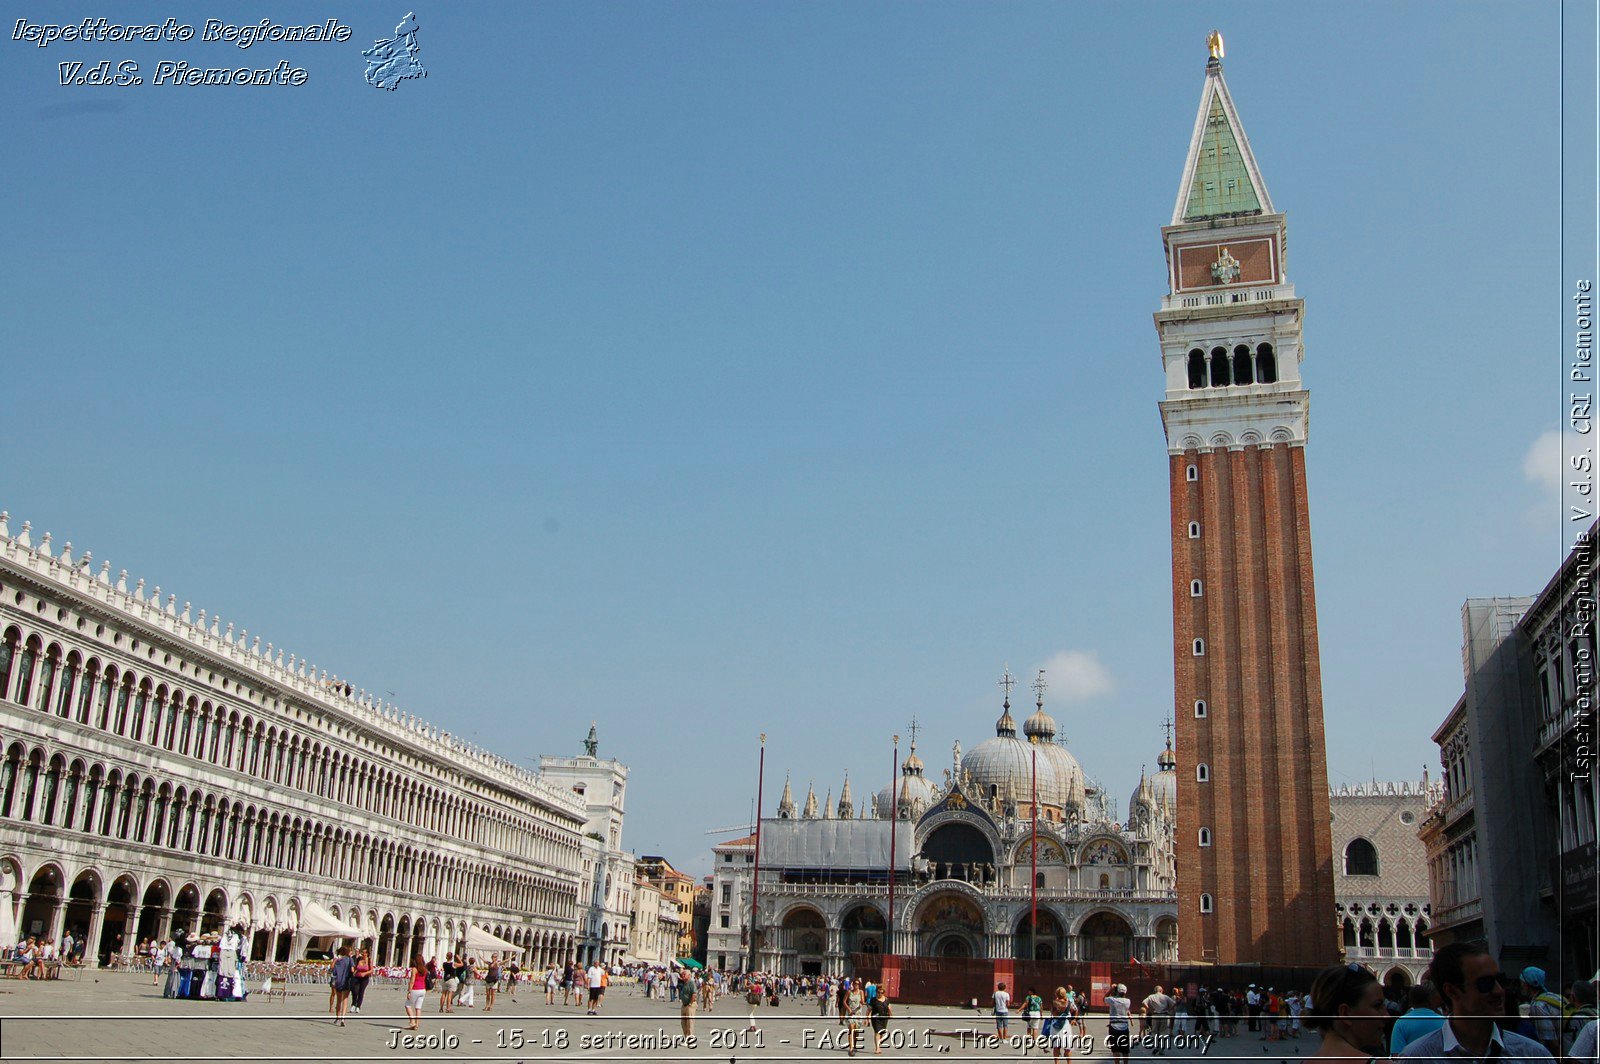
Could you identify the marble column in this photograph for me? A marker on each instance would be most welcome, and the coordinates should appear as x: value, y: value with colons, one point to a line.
x: 130, y: 931
x: 91, y: 944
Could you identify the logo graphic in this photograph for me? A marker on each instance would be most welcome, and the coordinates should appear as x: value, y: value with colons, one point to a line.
x: 393, y: 61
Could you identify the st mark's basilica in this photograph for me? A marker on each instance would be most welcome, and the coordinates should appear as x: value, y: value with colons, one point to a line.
x: 968, y: 871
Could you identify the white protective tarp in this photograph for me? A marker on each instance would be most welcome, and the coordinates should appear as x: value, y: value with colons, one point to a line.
x: 858, y: 845
x: 480, y: 940
x: 317, y: 922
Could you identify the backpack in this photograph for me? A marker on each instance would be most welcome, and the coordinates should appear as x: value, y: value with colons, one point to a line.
x: 428, y: 981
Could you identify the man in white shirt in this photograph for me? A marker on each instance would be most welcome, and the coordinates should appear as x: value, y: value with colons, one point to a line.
x: 1474, y: 987
x: 1002, y: 1010
x: 596, y: 978
x: 1118, y: 1009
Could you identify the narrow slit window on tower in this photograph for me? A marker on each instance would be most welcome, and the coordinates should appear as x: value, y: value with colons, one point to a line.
x: 1205, y: 836
x: 1206, y: 904
x: 1242, y: 370
x: 1197, y: 368
x: 1199, y: 708
x: 1266, y: 364
x: 1220, y: 377
x: 1202, y: 774
x: 1199, y: 648
x: 1194, y: 529
x: 1195, y: 590
x: 1192, y: 473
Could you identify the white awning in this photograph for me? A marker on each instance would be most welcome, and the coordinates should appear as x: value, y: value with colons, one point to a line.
x: 479, y: 939
x: 8, y: 920
x: 317, y: 922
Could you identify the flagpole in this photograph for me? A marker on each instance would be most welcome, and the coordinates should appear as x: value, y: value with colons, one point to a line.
x: 894, y: 821
x: 1033, y: 862
x: 755, y: 875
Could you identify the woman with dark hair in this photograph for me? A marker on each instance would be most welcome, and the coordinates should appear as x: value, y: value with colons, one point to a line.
x: 416, y: 991
x: 1347, y: 1007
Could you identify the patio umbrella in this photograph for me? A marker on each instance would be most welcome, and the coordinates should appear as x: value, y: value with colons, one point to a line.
x: 688, y: 962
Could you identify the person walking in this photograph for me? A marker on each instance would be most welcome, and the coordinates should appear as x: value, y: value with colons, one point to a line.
x: 879, y: 1011
x: 339, y: 976
x: 491, y: 983
x: 1058, y: 1028
x: 418, y: 992
x: 1002, y: 1010
x: 449, y: 984
x: 469, y: 978
x: 359, y: 978
x: 1158, y: 1019
x: 854, y: 1001
x: 1545, y: 1009
x: 686, y: 1000
x: 596, y: 978
x: 1032, y: 1013
x: 1118, y: 1036
x: 752, y: 999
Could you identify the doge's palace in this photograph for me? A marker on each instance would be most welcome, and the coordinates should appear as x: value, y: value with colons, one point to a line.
x: 162, y: 771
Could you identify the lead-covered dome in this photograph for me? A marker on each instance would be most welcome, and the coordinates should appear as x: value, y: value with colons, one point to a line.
x: 917, y: 793
x: 1003, y: 767
x: 1041, y: 729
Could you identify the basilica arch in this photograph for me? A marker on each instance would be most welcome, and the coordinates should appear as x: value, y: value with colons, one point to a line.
x: 803, y: 940
x: 1050, y: 945
x: 949, y: 923
x: 1105, y: 935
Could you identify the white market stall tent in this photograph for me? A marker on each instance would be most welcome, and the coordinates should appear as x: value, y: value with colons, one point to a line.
x: 481, y: 940
x: 318, y: 922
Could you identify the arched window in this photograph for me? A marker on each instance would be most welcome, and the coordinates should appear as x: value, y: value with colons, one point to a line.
x: 1360, y: 858
x: 69, y: 679
x: 47, y: 677
x: 1205, y: 836
x: 1206, y: 905
x: 1202, y: 774
x: 1199, y: 648
x: 30, y: 654
x: 1197, y: 368
x: 1266, y: 364
x: 1221, y: 376
x: 1194, y: 529
x: 1242, y: 370
x: 1199, y: 708
x: 1195, y: 589
x: 1192, y: 473
x: 1038, y: 880
x: 8, y: 649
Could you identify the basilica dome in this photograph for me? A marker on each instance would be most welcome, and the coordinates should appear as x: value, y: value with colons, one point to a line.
x: 1002, y: 767
x: 1159, y: 792
x: 917, y: 793
x: 1041, y: 729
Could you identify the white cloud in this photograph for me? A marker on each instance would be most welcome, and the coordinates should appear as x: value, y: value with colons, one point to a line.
x: 1542, y: 464
x: 1076, y: 676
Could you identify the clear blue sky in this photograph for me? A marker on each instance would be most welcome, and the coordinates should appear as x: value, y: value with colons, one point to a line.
x: 710, y: 368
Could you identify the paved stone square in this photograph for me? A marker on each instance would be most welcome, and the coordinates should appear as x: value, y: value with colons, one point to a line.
x: 121, y: 1016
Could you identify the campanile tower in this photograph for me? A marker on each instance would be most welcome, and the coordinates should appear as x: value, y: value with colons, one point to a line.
x: 1255, y: 865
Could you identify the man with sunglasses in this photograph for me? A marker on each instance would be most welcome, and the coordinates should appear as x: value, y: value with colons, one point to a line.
x: 1474, y: 990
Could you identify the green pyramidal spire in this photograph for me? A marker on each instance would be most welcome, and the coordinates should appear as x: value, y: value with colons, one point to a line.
x: 1220, y: 177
